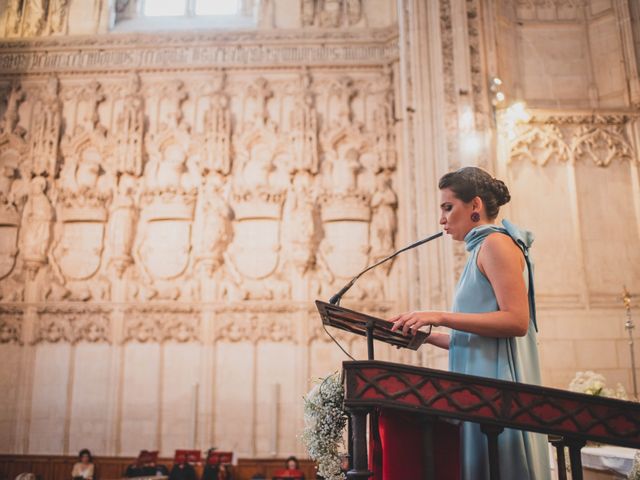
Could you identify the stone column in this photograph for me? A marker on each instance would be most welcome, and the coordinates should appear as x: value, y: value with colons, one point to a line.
x: 424, y: 151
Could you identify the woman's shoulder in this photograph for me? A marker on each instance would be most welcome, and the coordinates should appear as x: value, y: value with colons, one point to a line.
x: 500, y: 245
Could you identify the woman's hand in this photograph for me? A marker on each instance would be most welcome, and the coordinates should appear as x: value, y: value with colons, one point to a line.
x: 413, y: 321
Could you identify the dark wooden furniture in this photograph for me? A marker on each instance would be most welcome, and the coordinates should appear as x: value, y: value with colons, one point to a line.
x: 571, y: 418
x: 58, y: 467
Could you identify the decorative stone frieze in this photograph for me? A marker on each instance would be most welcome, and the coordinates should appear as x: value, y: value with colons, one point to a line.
x: 159, y: 325
x: 72, y: 325
x: 11, y: 320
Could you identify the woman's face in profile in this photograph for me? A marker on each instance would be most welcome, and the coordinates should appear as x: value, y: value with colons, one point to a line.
x: 455, y: 215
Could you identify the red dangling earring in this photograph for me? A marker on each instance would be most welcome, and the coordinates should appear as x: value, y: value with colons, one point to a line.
x: 475, y: 217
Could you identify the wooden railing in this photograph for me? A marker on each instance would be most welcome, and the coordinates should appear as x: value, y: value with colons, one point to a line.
x: 570, y: 419
x: 58, y: 467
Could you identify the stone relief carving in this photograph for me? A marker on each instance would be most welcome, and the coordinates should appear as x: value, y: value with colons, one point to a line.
x: 254, y: 328
x: 73, y: 326
x: 212, y: 229
x: 260, y: 183
x: 123, y: 218
x: 304, y: 129
x: 547, y: 9
x: 13, y: 178
x: 11, y: 327
x: 383, y: 220
x: 44, y: 134
x: 28, y: 18
x: 160, y: 208
x: 299, y: 227
x: 145, y: 325
x: 540, y: 144
x: 217, y: 133
x: 169, y: 194
x: 331, y: 13
x: 384, y: 127
x: 345, y: 207
x: 36, y: 224
x: 600, y: 145
x: 129, y: 134
x: 600, y: 139
x: 85, y: 190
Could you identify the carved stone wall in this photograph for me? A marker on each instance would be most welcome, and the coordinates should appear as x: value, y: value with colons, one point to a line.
x: 167, y: 218
x: 581, y: 170
x: 171, y: 204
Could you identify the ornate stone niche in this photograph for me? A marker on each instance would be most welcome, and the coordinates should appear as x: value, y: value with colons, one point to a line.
x: 29, y: 18
x: 44, y: 135
x: 331, y: 13
x: 85, y: 190
x: 14, y: 178
x: 261, y: 179
x: 168, y: 199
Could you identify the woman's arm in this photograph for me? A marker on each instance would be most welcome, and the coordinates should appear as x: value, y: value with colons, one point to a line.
x: 502, y: 263
x: 439, y: 339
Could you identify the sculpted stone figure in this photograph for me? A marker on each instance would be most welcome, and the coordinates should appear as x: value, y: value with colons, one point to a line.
x: 130, y: 130
x: 217, y: 138
x: 57, y: 16
x: 304, y: 130
x: 34, y: 15
x: 307, y: 12
x: 9, y: 123
x: 36, y: 226
x: 331, y: 13
x: 12, y: 17
x: 122, y: 221
x: 212, y: 229
x: 383, y: 220
x: 300, y: 231
x: 345, y: 172
x: 44, y: 135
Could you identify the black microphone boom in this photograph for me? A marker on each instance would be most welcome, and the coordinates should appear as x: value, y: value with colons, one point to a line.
x: 335, y: 300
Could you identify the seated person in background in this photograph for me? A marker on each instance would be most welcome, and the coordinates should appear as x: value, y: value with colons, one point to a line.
x: 217, y: 472
x: 292, y: 469
x: 83, y: 469
x: 182, y: 471
x: 217, y: 465
x: 146, y: 466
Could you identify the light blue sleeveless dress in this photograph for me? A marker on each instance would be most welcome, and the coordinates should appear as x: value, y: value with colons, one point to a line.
x: 522, y: 455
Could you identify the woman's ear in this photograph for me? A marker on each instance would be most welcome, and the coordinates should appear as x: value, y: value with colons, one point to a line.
x: 477, y: 204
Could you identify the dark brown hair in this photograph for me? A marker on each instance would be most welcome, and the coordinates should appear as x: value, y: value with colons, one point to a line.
x: 83, y: 452
x: 470, y: 182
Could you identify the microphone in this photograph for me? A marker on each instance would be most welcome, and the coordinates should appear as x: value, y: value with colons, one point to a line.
x: 335, y: 300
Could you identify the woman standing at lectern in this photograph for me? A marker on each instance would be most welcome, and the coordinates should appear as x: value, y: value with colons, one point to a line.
x: 493, y: 319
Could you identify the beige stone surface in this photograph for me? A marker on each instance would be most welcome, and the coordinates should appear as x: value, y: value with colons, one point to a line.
x: 172, y: 202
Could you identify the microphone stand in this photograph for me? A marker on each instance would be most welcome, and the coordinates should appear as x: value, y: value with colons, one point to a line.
x: 335, y: 300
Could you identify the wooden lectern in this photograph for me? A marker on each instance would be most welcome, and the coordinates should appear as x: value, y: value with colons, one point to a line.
x: 430, y: 447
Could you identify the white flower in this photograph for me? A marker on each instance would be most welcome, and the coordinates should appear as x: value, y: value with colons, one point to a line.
x: 325, y: 420
x: 593, y: 383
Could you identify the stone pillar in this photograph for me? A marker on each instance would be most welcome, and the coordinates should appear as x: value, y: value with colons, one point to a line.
x: 424, y: 151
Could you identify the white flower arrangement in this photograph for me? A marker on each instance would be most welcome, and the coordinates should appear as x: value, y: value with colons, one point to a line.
x: 634, y: 474
x: 325, y: 420
x: 592, y: 383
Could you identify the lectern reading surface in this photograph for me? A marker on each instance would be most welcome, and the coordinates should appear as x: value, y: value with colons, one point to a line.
x: 367, y: 326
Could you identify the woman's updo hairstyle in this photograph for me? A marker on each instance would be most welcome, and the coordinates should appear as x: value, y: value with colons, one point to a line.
x: 470, y: 182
